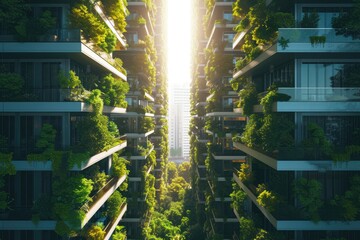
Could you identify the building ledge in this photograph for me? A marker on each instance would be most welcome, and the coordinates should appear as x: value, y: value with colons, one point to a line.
x: 301, y: 225
x: 54, y: 107
x: 142, y: 157
x: 110, y: 228
x: 300, y: 165
x: 101, y: 197
x: 26, y: 165
x: 139, y: 135
x: 14, y: 225
x: 65, y: 48
x: 238, y: 158
x: 224, y: 114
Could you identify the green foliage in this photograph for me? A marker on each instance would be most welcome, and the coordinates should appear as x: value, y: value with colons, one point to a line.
x: 117, y: 10
x: 315, y: 40
x: 247, y: 229
x: 11, y: 86
x: 310, y: 20
x: 172, y: 171
x: 12, y: 12
x: 316, y: 139
x: 96, y: 102
x: 119, y: 233
x: 276, y: 131
x: 346, y: 155
x: 245, y: 173
x: 113, y: 205
x: 114, y: 91
x: 70, y: 194
x: 93, y: 29
x: 100, y: 180
x: 71, y: 81
x: 42, y: 208
x: 161, y: 228
x: 248, y: 98
x: 268, y: 200
x: 118, y: 166
x: 174, y: 213
x: 251, y: 136
x: 95, y: 232
x: 32, y: 28
x: 6, y: 166
x: 308, y: 192
x: 347, y: 23
x: 238, y: 197
x: 184, y: 171
x: 46, y: 140
x: 177, y: 188
x: 348, y: 205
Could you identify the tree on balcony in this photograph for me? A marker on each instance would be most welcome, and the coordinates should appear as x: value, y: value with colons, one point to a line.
x: 347, y: 23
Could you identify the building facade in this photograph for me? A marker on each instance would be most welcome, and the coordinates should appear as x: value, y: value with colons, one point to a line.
x: 297, y: 91
x: 76, y: 155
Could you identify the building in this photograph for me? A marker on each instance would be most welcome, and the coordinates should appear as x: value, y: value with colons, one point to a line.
x: 213, y: 124
x: 52, y: 126
x: 75, y: 126
x: 297, y: 90
x: 179, y: 122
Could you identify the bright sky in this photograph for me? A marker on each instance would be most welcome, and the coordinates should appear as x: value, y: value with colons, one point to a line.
x: 179, y: 16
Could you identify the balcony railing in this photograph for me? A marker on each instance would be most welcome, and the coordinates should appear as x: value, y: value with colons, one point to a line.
x: 303, y: 35
x: 53, y: 35
x: 43, y: 95
x: 321, y: 94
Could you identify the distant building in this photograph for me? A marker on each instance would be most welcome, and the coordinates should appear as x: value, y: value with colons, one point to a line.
x: 179, y: 121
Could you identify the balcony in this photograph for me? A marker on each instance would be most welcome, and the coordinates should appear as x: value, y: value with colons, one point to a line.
x: 308, y: 41
x: 46, y: 165
x: 315, y: 39
x: 300, y: 159
x: 68, y: 42
x: 100, y: 198
x: 109, y: 229
x: 302, y: 225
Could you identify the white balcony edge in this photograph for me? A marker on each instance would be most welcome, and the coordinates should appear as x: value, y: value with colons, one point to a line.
x: 300, y: 165
x: 100, y: 156
x: 102, y: 200
x: 21, y: 225
x: 26, y: 165
x: 294, y: 225
x: 116, y: 222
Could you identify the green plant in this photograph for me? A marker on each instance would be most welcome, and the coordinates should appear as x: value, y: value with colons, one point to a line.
x: 93, y: 29
x: 118, y: 167
x: 316, y: 139
x: 141, y: 21
x: 268, y: 200
x: 284, y: 43
x: 310, y: 20
x: 315, y: 40
x: 11, y: 86
x: 248, y: 98
x: 95, y: 232
x: 70, y: 195
x: 32, y: 28
x: 113, y: 91
x: 113, y: 205
x: 119, y: 233
x: 308, y: 192
x: 117, y: 11
x: 245, y: 173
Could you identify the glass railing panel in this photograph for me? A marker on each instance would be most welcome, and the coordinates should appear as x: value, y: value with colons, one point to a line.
x: 302, y: 35
x: 321, y: 94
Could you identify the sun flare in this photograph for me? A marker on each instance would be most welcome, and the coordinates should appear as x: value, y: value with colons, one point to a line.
x: 179, y: 15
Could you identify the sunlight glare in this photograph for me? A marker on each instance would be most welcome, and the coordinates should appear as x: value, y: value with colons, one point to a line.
x: 179, y: 15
